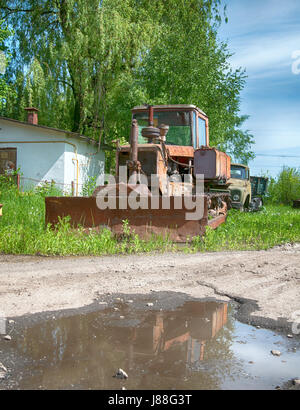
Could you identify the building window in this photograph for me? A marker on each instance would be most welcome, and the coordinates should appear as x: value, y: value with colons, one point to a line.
x: 8, y: 160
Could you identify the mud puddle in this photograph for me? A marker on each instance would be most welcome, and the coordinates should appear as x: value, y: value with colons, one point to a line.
x: 194, y: 345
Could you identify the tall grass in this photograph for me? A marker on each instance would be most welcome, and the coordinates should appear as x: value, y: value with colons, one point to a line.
x: 274, y: 225
x: 286, y: 187
x: 23, y: 230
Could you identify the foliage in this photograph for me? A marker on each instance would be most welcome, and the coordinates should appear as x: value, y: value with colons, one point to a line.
x: 23, y: 231
x: 89, y: 186
x: 286, y: 187
x: 5, y: 33
x: 79, y: 50
x: 86, y: 64
x: 274, y: 225
x: 237, y: 142
x: 190, y: 65
x: 47, y: 189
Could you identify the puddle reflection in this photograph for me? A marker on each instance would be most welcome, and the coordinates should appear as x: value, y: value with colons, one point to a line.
x: 197, y: 346
x: 161, y: 349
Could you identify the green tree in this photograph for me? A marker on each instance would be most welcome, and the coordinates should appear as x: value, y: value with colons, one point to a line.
x: 81, y: 46
x: 86, y: 63
x: 190, y: 65
x: 286, y: 187
x: 5, y: 33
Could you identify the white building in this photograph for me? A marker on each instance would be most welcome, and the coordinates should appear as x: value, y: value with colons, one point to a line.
x: 48, y: 154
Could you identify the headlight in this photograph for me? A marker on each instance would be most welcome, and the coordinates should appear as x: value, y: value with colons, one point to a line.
x: 236, y: 197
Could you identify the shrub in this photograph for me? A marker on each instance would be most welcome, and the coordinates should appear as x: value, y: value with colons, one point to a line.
x: 89, y: 186
x: 286, y: 188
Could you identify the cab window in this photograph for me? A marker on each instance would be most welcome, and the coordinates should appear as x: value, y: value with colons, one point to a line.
x: 201, y: 131
x: 195, y: 131
x: 179, y: 126
x: 239, y: 172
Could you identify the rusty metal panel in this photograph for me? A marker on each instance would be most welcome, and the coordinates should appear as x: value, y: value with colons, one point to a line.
x: 205, y: 163
x: 214, y: 223
x: 180, y: 151
x: 174, y: 150
x: 142, y: 147
x: 213, y: 164
x: 145, y: 222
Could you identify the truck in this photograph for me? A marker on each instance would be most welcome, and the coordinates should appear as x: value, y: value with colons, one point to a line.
x: 240, y: 186
x: 259, y: 187
x: 247, y: 192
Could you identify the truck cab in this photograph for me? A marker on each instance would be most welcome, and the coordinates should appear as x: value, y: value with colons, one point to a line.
x: 259, y: 186
x: 240, y: 186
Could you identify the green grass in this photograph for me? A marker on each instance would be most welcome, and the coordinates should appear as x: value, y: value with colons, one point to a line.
x: 23, y: 231
x: 274, y: 225
x: 286, y: 187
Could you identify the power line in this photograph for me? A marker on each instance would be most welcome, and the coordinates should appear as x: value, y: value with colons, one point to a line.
x: 278, y: 156
x: 267, y: 166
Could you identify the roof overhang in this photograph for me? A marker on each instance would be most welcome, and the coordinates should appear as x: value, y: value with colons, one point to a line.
x: 185, y: 107
x: 83, y: 138
x: 239, y: 165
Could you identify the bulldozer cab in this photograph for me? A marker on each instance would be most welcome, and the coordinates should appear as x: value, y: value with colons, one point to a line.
x: 188, y: 125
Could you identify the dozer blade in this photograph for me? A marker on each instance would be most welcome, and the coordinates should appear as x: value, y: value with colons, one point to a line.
x: 144, y: 222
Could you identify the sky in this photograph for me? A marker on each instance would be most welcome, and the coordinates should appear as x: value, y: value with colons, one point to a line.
x: 265, y: 39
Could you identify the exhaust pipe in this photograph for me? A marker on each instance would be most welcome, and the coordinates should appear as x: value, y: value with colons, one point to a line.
x: 151, y: 116
x: 134, y: 165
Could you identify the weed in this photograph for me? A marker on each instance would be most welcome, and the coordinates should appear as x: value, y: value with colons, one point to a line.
x: 89, y: 186
x: 286, y: 187
x: 23, y: 230
x: 274, y: 225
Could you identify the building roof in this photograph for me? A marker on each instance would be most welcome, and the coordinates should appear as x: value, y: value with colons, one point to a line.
x: 76, y: 135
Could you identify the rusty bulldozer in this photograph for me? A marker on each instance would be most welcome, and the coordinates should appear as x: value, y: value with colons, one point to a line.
x: 166, y: 171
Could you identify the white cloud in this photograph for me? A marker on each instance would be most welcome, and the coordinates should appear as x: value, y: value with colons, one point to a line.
x: 268, y: 52
x: 246, y: 16
x: 263, y: 35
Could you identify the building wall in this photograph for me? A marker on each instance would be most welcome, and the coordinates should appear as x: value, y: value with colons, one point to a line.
x: 45, y: 155
x: 90, y: 165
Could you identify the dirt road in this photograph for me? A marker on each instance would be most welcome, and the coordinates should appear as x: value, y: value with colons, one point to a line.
x: 266, y: 283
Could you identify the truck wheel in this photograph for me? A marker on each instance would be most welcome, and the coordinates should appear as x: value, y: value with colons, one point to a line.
x: 259, y: 203
x: 247, y: 204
